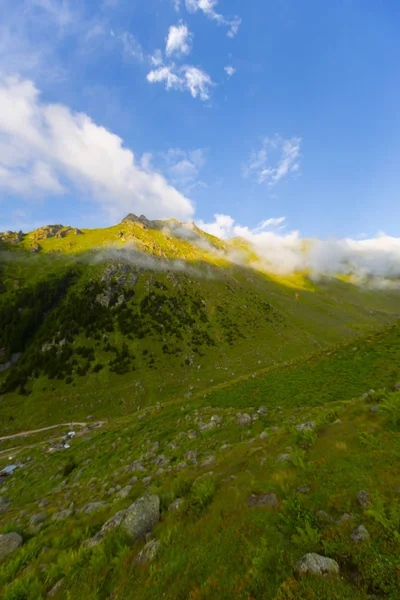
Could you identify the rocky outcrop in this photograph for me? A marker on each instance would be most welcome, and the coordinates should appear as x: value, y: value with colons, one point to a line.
x: 136, y: 520
x: 9, y: 542
x: 315, y: 564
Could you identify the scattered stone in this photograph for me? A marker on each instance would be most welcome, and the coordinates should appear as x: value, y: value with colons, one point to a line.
x: 324, y: 516
x: 63, y: 514
x: 283, y: 458
x: 263, y: 500
x: 161, y: 461
x: 360, y: 534
x: 123, y: 492
x: 176, y: 505
x: 137, y: 520
x: 147, y: 480
x: 344, y: 518
x: 263, y: 410
x: 4, y: 501
x: 148, y: 553
x: 191, y: 456
x: 207, y: 426
x: 363, y: 498
x: 137, y: 466
x: 37, y: 519
x: 243, y: 419
x: 304, y: 490
x: 374, y: 408
x: 182, y: 465
x: 225, y: 447
x: 9, y: 542
x: 133, y: 480
x: 275, y: 428
x: 160, y: 472
x: 216, y: 419
x: 92, y: 507
x: 306, y: 426
x: 56, y: 588
x: 316, y: 564
x: 192, y: 435
x: 208, y: 462
x: 263, y: 435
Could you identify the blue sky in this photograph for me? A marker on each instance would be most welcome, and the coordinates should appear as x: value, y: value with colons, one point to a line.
x: 254, y: 110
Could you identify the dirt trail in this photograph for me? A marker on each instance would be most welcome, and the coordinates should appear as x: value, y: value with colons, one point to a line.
x: 33, y: 431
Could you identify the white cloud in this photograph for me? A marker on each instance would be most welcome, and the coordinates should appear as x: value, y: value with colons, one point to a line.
x: 185, y: 78
x: 287, y: 160
x: 375, y: 260
x: 183, y: 168
x: 177, y: 5
x: 179, y: 40
x: 208, y: 8
x: 48, y: 148
x: 229, y: 70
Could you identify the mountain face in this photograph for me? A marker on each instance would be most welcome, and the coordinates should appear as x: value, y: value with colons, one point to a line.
x: 154, y: 307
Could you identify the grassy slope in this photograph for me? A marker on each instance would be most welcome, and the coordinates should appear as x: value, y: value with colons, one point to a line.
x: 325, y: 313
x: 217, y: 547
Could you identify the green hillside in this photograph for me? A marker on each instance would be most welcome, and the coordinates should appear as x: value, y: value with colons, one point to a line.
x: 235, y: 431
x: 109, y: 320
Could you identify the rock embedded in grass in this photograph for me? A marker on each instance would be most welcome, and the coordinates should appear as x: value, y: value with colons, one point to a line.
x: 9, y: 542
x: 243, y: 419
x: 136, y: 520
x: 175, y: 505
x: 283, y: 458
x: 269, y: 500
x: 306, y: 426
x: 360, y: 534
x: 315, y: 564
x: 363, y: 498
x: 148, y: 553
x: 324, y: 516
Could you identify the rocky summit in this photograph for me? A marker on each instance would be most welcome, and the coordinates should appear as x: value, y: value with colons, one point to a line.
x: 178, y: 422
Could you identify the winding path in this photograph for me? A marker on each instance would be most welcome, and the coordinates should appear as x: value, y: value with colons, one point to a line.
x: 33, y: 431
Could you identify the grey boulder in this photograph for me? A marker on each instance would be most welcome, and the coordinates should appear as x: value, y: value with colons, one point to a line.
x: 315, y: 564
x: 9, y: 542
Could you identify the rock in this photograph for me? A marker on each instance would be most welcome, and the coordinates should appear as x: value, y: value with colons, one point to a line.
x: 208, y: 462
x: 263, y: 500
x: 263, y: 435
x: 283, y: 458
x: 56, y: 588
x: 182, y: 465
x: 243, y: 419
x: 159, y: 472
x: 133, y: 480
x: 324, y: 516
x: 225, y: 447
x: 147, y: 480
x: 161, y: 461
x: 92, y: 507
x: 344, y: 518
x: 176, y: 505
x: 148, y: 553
x: 4, y: 501
x: 123, y: 493
x: 306, y: 426
x: 63, y: 514
x: 192, y: 435
x: 363, y: 498
x: 136, y: 520
x: 191, y: 456
x: 360, y: 534
x: 374, y: 408
x: 263, y: 410
x: 304, y: 490
x: 216, y: 419
x: 37, y: 519
x: 397, y: 387
x: 207, y: 426
x: 316, y: 564
x: 137, y: 466
x: 9, y: 542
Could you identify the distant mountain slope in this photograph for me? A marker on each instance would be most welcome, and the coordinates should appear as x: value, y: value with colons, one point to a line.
x: 114, y: 318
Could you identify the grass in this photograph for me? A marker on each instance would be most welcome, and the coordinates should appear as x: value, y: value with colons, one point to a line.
x: 215, y: 546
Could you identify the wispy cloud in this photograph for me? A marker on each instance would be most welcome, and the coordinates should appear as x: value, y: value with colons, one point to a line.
x: 179, y: 40
x: 229, y: 70
x: 185, y: 78
x: 276, y: 159
x: 48, y: 149
x: 183, y: 168
x: 208, y: 8
x: 131, y: 46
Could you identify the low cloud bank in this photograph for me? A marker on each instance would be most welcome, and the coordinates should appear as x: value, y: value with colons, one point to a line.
x: 283, y: 252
